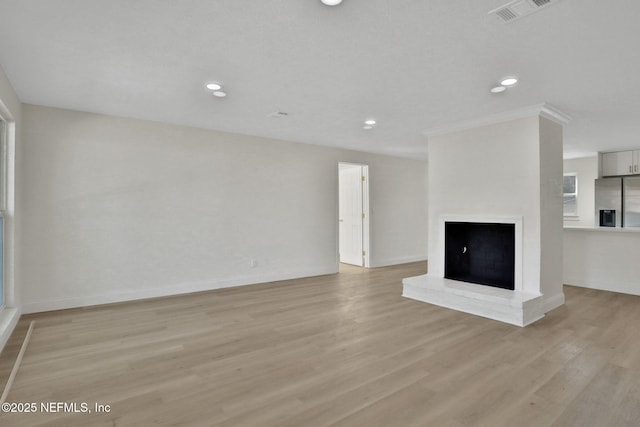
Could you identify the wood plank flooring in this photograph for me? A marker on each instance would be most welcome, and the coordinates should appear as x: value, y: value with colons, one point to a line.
x: 337, y: 350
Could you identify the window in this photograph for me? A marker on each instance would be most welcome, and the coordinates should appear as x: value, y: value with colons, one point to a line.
x: 570, y: 194
x: 3, y: 193
x: 3, y: 204
x: 7, y: 141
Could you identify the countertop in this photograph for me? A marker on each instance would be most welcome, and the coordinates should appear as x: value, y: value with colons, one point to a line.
x: 604, y: 229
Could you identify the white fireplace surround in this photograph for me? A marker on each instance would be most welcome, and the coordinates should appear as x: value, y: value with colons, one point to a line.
x: 502, y: 169
x: 516, y: 306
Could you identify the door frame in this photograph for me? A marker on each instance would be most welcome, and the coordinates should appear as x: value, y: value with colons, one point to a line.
x: 366, y: 222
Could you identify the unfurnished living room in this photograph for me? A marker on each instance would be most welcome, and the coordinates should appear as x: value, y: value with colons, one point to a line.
x: 319, y: 213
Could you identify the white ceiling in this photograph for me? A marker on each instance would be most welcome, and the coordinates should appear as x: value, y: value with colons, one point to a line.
x: 413, y: 65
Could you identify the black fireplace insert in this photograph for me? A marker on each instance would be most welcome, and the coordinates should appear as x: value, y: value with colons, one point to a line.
x: 482, y: 253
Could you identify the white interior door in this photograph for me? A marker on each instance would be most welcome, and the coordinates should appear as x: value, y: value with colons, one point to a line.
x: 351, y: 214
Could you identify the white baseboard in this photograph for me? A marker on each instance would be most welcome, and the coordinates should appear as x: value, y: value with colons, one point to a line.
x: 610, y: 285
x: 397, y: 261
x: 183, y: 288
x: 8, y: 320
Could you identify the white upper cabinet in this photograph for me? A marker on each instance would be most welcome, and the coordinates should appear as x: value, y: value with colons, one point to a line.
x: 621, y: 163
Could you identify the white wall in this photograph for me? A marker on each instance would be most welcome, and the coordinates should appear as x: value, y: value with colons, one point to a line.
x: 11, y: 110
x: 120, y: 209
x: 495, y: 171
x: 398, y: 204
x: 586, y: 169
x: 551, y: 213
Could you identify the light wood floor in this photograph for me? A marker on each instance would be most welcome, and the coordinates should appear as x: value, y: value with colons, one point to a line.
x: 340, y: 350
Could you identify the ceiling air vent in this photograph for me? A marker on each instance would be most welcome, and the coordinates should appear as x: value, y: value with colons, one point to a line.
x: 541, y: 3
x: 517, y: 9
x: 506, y: 14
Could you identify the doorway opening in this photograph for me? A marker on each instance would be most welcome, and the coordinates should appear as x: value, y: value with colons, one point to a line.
x: 353, y: 214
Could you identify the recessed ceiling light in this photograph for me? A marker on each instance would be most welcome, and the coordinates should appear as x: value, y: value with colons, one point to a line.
x: 498, y: 89
x: 214, y: 86
x: 367, y: 127
x: 220, y: 93
x: 370, y: 122
x: 509, y: 81
x: 331, y: 2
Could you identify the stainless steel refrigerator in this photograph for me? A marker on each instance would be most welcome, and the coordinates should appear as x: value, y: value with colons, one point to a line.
x: 617, y: 202
x: 609, y: 202
x: 631, y: 201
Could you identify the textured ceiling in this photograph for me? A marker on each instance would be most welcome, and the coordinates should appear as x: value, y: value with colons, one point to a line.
x: 413, y: 65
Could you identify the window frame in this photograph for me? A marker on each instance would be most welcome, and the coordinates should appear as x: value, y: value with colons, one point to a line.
x: 4, y: 129
x: 574, y: 194
x: 9, y: 312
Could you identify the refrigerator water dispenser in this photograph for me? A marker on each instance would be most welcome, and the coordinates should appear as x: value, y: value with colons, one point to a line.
x: 607, y: 218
